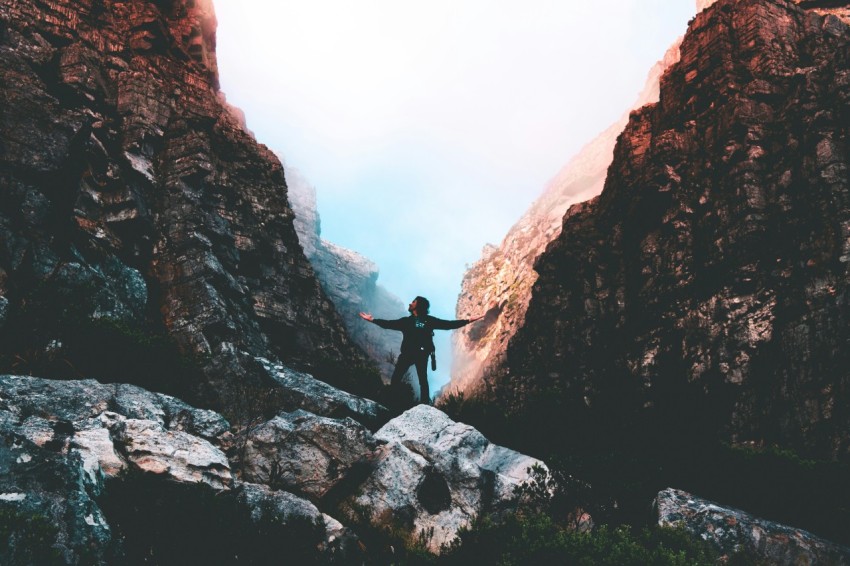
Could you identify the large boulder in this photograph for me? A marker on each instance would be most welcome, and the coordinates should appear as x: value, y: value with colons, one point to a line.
x: 109, y: 471
x: 434, y: 476
x: 305, y: 453
x: 734, y: 531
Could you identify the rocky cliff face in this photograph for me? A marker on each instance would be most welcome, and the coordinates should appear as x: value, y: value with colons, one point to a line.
x: 706, y: 288
x: 500, y: 282
x: 130, y: 193
x: 349, y: 279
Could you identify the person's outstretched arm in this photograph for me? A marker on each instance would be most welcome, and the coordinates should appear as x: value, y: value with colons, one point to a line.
x: 441, y: 324
x: 388, y: 324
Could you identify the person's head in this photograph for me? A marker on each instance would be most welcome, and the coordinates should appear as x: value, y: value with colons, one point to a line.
x: 420, y: 306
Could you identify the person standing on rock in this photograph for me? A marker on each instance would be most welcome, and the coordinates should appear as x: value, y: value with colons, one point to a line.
x: 417, y: 341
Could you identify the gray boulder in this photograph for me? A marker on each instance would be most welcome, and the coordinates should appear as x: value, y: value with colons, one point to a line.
x: 66, y: 446
x: 303, y: 391
x: 731, y: 530
x: 61, y: 441
x: 434, y: 476
x: 267, y: 505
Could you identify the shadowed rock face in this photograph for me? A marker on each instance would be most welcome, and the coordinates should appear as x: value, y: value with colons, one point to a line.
x: 708, y: 284
x: 837, y: 8
x: 130, y: 190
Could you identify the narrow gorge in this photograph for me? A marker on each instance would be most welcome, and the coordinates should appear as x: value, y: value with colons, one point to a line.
x: 660, y: 378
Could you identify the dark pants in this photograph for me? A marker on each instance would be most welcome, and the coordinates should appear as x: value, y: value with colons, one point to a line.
x: 420, y: 360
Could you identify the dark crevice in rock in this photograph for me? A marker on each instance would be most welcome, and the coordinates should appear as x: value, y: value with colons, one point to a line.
x: 161, y: 522
x: 433, y: 492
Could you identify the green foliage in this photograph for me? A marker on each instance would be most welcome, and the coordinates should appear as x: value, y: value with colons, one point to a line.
x: 561, y: 496
x: 537, y: 539
x: 27, y: 539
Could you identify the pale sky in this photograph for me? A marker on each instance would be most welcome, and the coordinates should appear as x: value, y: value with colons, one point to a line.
x: 429, y: 128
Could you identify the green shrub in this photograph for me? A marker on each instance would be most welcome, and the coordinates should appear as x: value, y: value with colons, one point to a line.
x: 27, y: 538
x: 537, y: 539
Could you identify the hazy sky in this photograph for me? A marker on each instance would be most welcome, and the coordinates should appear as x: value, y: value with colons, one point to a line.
x: 428, y: 128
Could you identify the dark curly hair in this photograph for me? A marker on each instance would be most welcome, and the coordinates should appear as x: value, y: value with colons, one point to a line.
x: 423, y: 304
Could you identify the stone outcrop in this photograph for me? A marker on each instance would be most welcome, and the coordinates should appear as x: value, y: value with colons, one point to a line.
x: 297, y: 390
x: 65, y: 446
x: 305, y: 453
x: 500, y: 282
x: 434, y: 476
x: 91, y: 464
x: 349, y: 279
x: 707, y: 286
x: 733, y: 531
x: 130, y: 192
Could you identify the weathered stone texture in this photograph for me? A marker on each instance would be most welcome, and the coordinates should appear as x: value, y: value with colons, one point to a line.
x: 433, y: 476
x: 304, y: 453
x: 349, y: 279
x: 67, y: 447
x: 733, y: 531
x: 119, y: 153
x: 708, y: 283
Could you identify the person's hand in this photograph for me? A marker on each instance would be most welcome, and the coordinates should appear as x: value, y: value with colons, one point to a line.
x: 366, y: 316
x: 473, y: 319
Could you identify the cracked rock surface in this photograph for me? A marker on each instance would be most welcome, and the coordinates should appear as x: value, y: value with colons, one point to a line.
x: 731, y: 530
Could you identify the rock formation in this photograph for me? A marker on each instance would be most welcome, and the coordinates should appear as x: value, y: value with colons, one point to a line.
x: 706, y: 287
x: 732, y: 531
x: 433, y: 476
x: 99, y: 469
x: 130, y: 193
x: 145, y: 234
x: 349, y: 279
x: 72, y: 449
x: 822, y: 7
x: 500, y: 282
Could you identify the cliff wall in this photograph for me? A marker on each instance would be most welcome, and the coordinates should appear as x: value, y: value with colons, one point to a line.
x: 130, y: 193
x: 706, y: 289
x: 350, y: 279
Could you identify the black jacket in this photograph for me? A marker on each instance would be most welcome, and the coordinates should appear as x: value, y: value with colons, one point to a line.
x: 418, y: 332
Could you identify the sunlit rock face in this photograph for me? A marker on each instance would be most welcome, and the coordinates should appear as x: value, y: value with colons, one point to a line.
x: 500, y: 282
x: 349, y: 279
x: 707, y: 286
x: 838, y: 8
x: 129, y: 190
